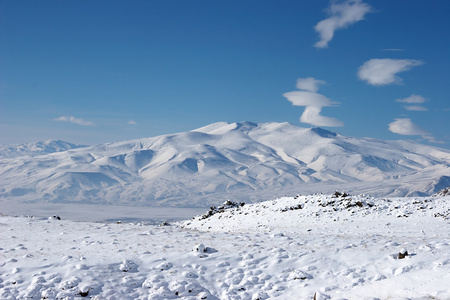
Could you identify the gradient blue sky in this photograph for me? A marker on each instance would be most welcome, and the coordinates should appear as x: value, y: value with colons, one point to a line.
x: 99, y: 71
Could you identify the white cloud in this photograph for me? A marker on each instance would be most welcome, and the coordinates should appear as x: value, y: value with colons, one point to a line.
x: 415, y: 108
x: 312, y: 116
x: 341, y: 16
x: 309, y: 84
x: 132, y: 122
x: 407, y: 127
x: 382, y: 71
x: 305, y: 98
x: 412, y: 99
x: 74, y: 120
x: 313, y: 103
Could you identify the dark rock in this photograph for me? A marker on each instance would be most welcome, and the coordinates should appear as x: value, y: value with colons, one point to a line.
x: 402, y: 254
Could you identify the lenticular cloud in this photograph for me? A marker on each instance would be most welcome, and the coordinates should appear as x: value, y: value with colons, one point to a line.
x: 312, y: 116
x: 309, y: 84
x: 313, y: 103
x: 383, y: 71
x: 406, y: 127
x: 305, y: 98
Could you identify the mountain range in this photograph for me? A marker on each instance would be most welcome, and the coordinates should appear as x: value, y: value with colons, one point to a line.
x: 35, y: 149
x: 240, y: 161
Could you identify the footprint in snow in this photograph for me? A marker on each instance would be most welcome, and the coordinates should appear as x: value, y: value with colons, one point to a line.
x: 190, y: 275
x: 164, y: 266
x: 222, y: 264
x: 235, y: 277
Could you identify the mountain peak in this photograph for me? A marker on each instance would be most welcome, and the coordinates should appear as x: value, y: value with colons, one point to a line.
x: 323, y: 132
x: 223, y: 127
x: 245, y: 125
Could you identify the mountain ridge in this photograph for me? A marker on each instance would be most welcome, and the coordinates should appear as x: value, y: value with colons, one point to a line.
x: 240, y: 161
x: 37, y: 148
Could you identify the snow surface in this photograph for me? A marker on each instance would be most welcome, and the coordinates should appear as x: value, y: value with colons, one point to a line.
x: 242, y: 161
x: 35, y: 149
x: 334, y: 246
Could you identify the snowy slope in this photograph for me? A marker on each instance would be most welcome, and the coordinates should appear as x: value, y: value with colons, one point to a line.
x: 303, y: 247
x: 35, y: 149
x: 288, y: 214
x: 241, y: 161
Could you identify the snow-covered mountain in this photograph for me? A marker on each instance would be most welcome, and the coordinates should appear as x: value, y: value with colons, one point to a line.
x: 35, y: 149
x: 239, y: 161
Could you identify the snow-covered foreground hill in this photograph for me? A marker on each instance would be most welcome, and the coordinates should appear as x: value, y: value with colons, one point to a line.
x: 323, y: 246
x: 209, y: 165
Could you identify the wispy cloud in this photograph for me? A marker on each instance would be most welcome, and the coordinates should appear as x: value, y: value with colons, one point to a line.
x: 132, y: 122
x: 313, y: 103
x: 405, y: 126
x: 416, y: 99
x: 415, y: 108
x: 341, y: 15
x: 383, y: 71
x: 74, y: 120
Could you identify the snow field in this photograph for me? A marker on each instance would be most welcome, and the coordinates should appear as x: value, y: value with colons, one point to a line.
x: 65, y: 260
x: 327, y: 246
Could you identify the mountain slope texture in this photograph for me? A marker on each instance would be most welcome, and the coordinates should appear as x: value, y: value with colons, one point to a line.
x: 239, y: 161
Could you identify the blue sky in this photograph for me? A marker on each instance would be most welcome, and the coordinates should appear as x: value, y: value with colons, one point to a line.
x: 99, y: 71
